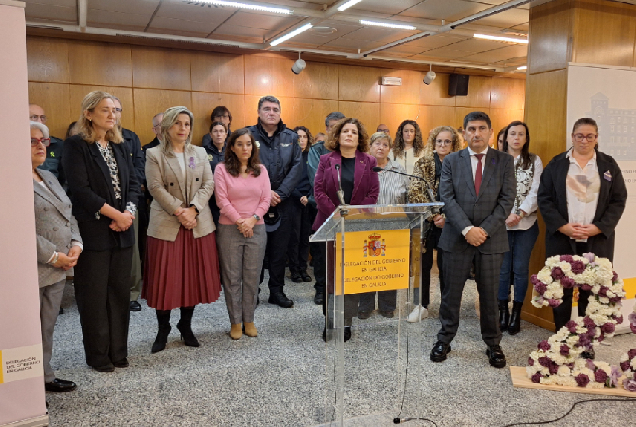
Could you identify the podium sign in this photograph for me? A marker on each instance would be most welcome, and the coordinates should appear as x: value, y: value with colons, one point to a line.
x: 373, y: 260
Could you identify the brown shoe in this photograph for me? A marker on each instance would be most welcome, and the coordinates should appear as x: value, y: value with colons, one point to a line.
x: 237, y: 331
x: 250, y: 330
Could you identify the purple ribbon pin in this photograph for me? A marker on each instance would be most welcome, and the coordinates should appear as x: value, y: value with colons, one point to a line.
x: 493, y: 161
x: 192, y: 164
x: 608, y: 176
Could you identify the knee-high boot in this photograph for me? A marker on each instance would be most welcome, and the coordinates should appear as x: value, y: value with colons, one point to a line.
x: 504, y: 315
x: 515, y: 318
x: 185, y: 327
x: 163, y: 317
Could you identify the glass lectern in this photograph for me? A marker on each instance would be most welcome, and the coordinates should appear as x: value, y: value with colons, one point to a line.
x: 373, y: 248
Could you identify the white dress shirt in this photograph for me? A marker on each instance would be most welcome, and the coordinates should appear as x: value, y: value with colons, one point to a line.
x: 582, y: 187
x: 473, y: 163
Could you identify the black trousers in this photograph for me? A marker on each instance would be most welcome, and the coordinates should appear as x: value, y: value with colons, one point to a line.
x: 457, y: 267
x: 563, y: 312
x: 426, y: 264
x: 298, y: 251
x: 276, y: 251
x: 102, y: 291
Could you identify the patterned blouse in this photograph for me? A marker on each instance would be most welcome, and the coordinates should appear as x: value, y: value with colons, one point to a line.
x: 393, y: 186
x: 111, y: 162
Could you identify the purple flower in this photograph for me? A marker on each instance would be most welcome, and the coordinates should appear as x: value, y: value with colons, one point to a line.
x: 557, y: 273
x: 600, y: 376
x: 582, y: 380
x: 625, y: 366
x: 566, y: 258
x: 577, y: 267
x: 544, y: 361
x: 608, y: 328
x: 632, y: 318
x: 614, y: 276
x: 630, y: 385
x: 565, y: 350
x: 619, y: 319
x: 590, y: 365
x: 541, y: 287
x: 567, y: 283
x: 544, y: 345
x: 601, y: 337
x: 554, y: 302
x: 588, y: 323
x: 590, y: 256
x: 631, y: 353
x: 603, y: 291
x: 530, y: 361
x: 192, y: 164
x: 615, y: 300
x: 584, y: 340
x: 616, y: 374
x: 585, y: 287
x: 534, y: 280
x: 553, y: 368
x: 536, y: 378
x: 571, y: 325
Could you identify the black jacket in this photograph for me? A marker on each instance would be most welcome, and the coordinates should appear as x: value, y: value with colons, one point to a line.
x: 145, y: 148
x: 215, y: 157
x: 303, y: 188
x: 138, y: 158
x: 53, y: 162
x: 552, y: 198
x: 91, y: 187
x: 282, y: 157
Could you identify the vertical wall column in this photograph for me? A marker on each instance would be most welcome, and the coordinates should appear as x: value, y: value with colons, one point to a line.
x: 21, y: 373
x: 562, y: 32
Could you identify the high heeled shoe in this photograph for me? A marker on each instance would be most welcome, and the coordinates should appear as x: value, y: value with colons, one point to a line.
x: 184, y: 326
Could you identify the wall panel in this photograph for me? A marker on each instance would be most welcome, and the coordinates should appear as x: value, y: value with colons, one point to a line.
x: 268, y: 75
x: 222, y: 73
x: 103, y: 64
x: 437, y: 92
x: 508, y: 93
x: 408, y: 93
x: 161, y: 68
x: 359, y: 83
x: 149, y: 102
x: 48, y: 60
x: 53, y: 97
x: 367, y: 112
x: 204, y: 103
x: 478, y: 97
x: 501, y: 117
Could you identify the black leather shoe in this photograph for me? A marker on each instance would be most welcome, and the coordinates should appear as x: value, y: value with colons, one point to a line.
x: 324, y: 334
x: 61, y: 311
x: 106, y: 368
x: 135, y: 306
x: 121, y: 364
x: 347, y: 333
x: 60, y: 386
x: 306, y: 277
x: 319, y: 299
x: 440, y: 351
x: 496, y: 356
x: 296, y: 277
x: 281, y: 300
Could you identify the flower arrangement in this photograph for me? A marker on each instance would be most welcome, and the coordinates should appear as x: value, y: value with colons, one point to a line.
x: 559, y: 360
x: 628, y: 365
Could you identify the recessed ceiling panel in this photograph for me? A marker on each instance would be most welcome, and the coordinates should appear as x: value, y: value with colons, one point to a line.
x: 159, y: 22
x: 138, y: 7
x: 500, y: 54
x: 61, y: 3
x: 116, y: 18
x: 188, y: 12
x: 476, y: 45
x: 51, y: 12
x: 263, y: 21
x: 507, y: 18
x: 389, y: 7
x: 450, y: 10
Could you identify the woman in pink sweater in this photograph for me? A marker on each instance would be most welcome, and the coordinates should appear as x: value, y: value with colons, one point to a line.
x: 243, y: 194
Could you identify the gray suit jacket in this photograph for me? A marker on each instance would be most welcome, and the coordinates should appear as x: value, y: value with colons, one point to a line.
x: 463, y: 207
x: 170, y: 191
x: 55, y: 226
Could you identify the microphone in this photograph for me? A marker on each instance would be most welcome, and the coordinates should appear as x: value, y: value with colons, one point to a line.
x: 340, y: 192
x: 431, y: 195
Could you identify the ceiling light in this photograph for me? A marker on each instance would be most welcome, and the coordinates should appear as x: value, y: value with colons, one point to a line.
x: 522, y: 68
x: 243, y: 6
x: 348, y: 4
x: 290, y: 35
x: 382, y: 24
x: 501, y: 39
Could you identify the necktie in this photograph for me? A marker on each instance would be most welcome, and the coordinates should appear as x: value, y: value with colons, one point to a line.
x: 478, y: 173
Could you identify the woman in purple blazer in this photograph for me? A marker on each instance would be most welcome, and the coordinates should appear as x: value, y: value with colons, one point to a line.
x: 349, y: 143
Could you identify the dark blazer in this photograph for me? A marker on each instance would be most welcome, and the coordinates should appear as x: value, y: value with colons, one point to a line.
x: 553, y: 206
x: 463, y: 207
x: 91, y: 187
x: 138, y: 158
x: 366, y: 185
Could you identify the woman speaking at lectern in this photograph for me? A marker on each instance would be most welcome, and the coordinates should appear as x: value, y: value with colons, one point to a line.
x: 348, y: 168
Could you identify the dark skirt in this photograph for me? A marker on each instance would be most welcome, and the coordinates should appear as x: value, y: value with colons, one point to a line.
x: 182, y: 273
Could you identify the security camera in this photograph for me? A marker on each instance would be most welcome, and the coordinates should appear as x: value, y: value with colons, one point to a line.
x: 298, y: 66
x: 429, y: 77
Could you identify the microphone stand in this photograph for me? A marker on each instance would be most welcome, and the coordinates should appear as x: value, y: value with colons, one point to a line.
x: 343, y: 212
x: 429, y: 190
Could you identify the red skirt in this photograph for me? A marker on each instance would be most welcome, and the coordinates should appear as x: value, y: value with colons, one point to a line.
x: 182, y: 273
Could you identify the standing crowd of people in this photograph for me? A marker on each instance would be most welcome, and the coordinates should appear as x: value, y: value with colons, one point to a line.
x: 189, y: 221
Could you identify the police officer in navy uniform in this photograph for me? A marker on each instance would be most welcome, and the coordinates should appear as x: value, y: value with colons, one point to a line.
x: 282, y: 156
x: 53, y: 162
x: 215, y: 147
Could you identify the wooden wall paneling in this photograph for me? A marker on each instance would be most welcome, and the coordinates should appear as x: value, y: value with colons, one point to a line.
x: 479, y: 88
x: 149, y: 102
x: 103, y: 64
x: 408, y: 93
x: 204, y: 103
x: 268, y: 75
x: 311, y: 113
x: 217, y: 72
x: 161, y: 68
x: 508, y: 93
x: 367, y: 112
x: 437, y: 92
x: 359, y: 83
x: 53, y: 97
x: 318, y: 81
x: 125, y: 95
x: 604, y: 33
x: 393, y: 115
x: 432, y: 116
x: 550, y: 32
x: 47, y: 60
x: 461, y: 112
x: 501, y: 117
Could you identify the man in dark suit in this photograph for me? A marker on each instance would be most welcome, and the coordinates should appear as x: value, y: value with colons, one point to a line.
x: 53, y: 162
x: 478, y: 187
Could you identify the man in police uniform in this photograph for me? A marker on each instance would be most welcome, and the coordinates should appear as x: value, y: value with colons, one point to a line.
x: 282, y: 157
x: 53, y: 162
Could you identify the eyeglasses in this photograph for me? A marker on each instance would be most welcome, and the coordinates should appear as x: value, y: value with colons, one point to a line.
x: 443, y: 142
x: 45, y: 141
x: 118, y: 110
x: 36, y: 118
x: 580, y: 137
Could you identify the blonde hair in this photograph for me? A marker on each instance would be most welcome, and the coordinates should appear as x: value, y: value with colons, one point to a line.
x: 84, y: 127
x: 380, y: 135
x: 432, y: 136
x: 170, y: 117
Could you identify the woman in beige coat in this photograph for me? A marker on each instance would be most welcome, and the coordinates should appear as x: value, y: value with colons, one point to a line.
x: 182, y: 267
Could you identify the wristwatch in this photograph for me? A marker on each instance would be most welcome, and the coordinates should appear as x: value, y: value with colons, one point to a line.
x: 258, y: 218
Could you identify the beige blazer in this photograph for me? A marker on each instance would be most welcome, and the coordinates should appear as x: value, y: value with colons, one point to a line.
x: 55, y: 226
x: 170, y: 191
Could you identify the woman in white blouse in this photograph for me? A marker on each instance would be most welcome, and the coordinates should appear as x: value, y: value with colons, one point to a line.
x: 521, y: 224
x: 409, y: 145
